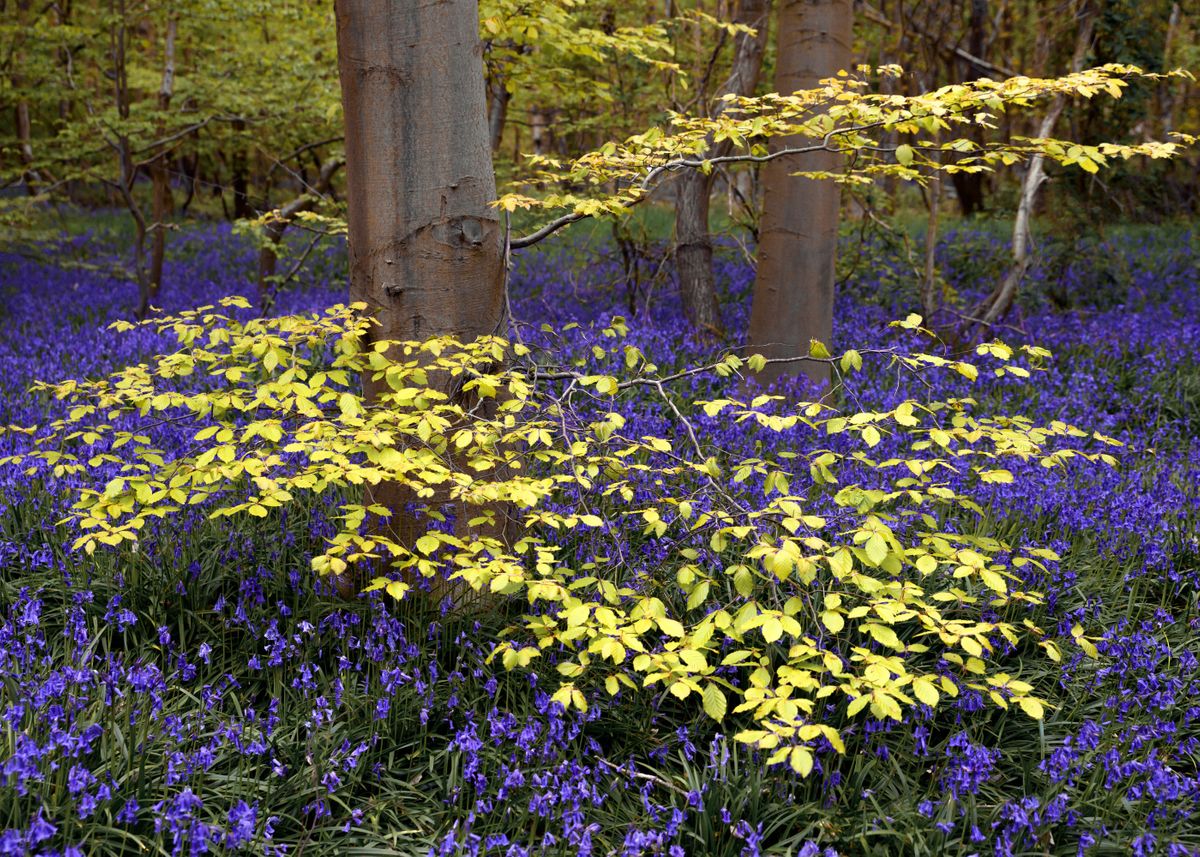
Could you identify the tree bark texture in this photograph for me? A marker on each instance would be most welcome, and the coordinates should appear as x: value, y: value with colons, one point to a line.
x: 426, y: 248
x: 693, y: 244
x: 970, y: 188
x: 793, y: 289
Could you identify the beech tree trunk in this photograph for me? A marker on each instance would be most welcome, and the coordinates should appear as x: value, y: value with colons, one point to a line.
x: 693, y: 244
x: 426, y: 248
x: 793, y: 289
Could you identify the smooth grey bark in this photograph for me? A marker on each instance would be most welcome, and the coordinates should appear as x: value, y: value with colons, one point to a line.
x: 426, y: 247
x: 793, y: 289
x: 693, y: 244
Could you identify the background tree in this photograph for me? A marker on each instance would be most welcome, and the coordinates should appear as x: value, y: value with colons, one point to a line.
x: 693, y: 244
x: 793, y: 287
x: 125, y: 100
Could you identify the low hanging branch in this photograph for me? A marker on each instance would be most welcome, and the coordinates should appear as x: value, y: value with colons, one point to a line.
x: 993, y: 308
x: 847, y: 119
x: 276, y: 223
x: 755, y: 581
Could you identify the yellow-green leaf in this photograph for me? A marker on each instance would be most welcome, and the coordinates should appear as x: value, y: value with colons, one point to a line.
x: 714, y: 702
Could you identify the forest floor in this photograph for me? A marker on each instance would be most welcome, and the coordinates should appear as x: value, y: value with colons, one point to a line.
x: 206, y: 694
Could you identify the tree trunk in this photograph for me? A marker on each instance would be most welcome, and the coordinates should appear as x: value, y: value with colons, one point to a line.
x: 426, y: 248
x: 268, y: 256
x: 970, y: 187
x: 693, y: 254
x: 993, y: 308
x: 25, y: 143
x: 929, y: 278
x: 693, y: 245
x: 62, y: 15
x: 539, y: 131
x: 793, y: 290
x: 498, y: 110
x: 123, y: 148
x: 241, y: 196
x: 1165, y: 94
x: 24, y: 126
x: 162, y: 202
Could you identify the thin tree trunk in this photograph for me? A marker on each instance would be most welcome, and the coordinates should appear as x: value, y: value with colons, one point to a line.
x: 540, y: 135
x: 268, y: 255
x: 25, y: 143
x: 124, y: 151
x: 191, y: 171
x: 970, y: 187
x: 62, y: 14
x: 929, y: 279
x: 693, y: 254
x: 426, y: 247
x: 539, y: 131
x: 693, y: 244
x: 793, y: 290
x: 159, y: 176
x: 24, y: 126
x: 498, y: 110
x: 993, y: 308
x: 241, y: 197
x: 1166, y: 96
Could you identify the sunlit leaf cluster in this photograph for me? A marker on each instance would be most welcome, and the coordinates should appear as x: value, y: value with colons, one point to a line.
x: 512, y: 30
x: 880, y: 133
x: 788, y: 586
